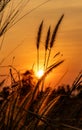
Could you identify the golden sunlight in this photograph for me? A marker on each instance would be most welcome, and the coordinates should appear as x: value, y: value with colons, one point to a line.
x: 40, y: 73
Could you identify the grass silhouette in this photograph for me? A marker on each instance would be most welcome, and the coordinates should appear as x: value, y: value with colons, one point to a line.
x: 27, y: 108
x: 23, y: 106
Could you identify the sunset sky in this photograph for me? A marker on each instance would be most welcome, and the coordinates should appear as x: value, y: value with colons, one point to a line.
x: 68, y: 40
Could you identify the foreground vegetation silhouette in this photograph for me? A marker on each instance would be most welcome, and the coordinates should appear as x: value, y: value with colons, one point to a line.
x: 23, y: 106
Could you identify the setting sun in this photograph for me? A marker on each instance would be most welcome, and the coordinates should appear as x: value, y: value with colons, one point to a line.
x: 40, y: 73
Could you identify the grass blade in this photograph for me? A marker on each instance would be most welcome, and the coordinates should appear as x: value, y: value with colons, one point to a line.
x: 55, y: 32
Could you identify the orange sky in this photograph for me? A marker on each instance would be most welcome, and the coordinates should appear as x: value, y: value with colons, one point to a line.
x: 68, y: 40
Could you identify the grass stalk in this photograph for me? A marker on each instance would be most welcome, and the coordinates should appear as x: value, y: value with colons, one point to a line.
x: 46, y: 45
x: 48, y: 58
x: 38, y: 42
x: 53, y: 38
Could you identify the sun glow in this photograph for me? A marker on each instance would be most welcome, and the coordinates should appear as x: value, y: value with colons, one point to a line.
x: 40, y: 73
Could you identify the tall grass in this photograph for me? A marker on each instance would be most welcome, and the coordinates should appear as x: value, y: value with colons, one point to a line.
x: 35, y: 109
x: 38, y: 43
x: 53, y: 38
x: 23, y: 107
x: 8, y: 15
x: 26, y: 108
x: 49, y: 42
